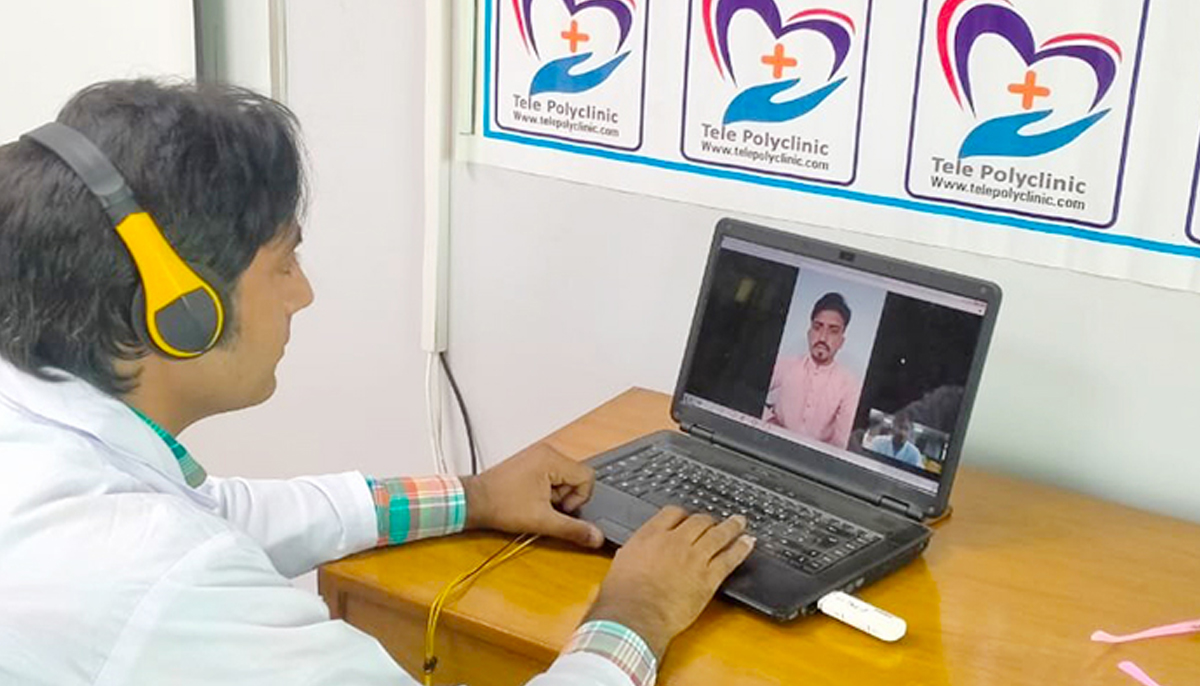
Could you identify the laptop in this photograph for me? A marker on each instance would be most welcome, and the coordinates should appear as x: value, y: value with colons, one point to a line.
x: 824, y: 394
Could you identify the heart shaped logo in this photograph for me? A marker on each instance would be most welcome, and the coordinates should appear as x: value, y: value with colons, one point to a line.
x: 962, y: 23
x: 620, y: 10
x: 556, y: 76
x: 757, y: 103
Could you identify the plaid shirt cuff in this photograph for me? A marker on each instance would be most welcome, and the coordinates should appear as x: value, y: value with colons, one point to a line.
x: 408, y: 509
x: 620, y: 645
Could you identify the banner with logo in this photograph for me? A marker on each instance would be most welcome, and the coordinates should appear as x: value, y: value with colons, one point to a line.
x: 551, y: 83
x: 776, y: 113
x: 1061, y: 133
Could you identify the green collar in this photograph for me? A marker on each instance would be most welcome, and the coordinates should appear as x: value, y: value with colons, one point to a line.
x: 193, y: 473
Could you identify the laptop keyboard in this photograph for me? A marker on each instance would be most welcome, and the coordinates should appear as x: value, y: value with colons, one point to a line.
x: 798, y: 534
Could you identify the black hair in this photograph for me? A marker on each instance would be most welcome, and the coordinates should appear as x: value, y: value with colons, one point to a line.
x: 900, y: 423
x: 833, y: 302
x: 221, y: 170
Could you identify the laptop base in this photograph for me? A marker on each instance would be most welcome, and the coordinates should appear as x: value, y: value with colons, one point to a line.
x: 767, y: 582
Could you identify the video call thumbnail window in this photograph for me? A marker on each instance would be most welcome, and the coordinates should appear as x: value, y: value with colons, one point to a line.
x: 913, y: 392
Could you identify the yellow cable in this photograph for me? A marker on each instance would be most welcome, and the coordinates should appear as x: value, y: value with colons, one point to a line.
x: 501, y: 556
x: 461, y: 583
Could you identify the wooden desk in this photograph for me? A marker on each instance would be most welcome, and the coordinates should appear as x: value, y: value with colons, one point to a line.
x: 1008, y: 593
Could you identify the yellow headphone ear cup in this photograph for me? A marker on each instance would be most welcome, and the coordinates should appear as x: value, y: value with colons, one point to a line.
x: 180, y: 314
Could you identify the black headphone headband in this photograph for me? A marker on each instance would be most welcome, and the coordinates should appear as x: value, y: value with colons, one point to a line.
x: 92, y: 167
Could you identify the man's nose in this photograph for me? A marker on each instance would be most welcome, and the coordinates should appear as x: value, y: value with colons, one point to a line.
x: 304, y: 293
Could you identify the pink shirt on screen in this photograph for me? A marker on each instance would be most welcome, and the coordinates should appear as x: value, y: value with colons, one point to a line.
x: 815, y: 401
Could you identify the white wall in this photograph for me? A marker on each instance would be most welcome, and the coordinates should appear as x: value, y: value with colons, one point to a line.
x: 52, y: 48
x: 564, y: 295
x: 351, y: 386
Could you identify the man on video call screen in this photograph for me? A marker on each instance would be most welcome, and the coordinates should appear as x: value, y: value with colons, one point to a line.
x: 812, y: 395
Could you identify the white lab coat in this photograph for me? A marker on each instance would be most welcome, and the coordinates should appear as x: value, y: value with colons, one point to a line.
x: 114, y: 571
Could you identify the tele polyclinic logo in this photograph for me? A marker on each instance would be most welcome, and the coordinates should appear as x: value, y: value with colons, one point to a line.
x: 573, y: 70
x: 1026, y: 107
x: 776, y: 86
x: 964, y: 24
x: 559, y: 75
x: 777, y: 59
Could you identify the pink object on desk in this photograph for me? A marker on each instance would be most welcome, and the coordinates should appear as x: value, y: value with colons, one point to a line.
x: 1133, y: 670
x: 1136, y: 672
x: 1189, y: 627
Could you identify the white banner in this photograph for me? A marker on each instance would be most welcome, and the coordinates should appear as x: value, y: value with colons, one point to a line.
x: 775, y: 112
x: 1062, y: 133
x: 584, y: 85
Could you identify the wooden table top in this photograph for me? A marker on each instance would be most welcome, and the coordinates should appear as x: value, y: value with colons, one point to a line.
x: 1009, y: 591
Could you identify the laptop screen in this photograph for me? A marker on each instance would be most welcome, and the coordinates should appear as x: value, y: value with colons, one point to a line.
x: 864, y: 368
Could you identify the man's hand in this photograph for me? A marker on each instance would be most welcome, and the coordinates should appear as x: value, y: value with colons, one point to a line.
x: 521, y: 494
x: 667, y: 573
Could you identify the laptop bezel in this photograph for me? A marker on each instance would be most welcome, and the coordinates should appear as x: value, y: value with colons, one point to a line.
x: 810, y: 462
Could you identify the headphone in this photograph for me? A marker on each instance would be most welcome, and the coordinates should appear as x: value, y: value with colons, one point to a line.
x: 175, y: 311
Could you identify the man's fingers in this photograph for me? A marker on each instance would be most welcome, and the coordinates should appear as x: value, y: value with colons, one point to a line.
x: 567, y: 472
x: 559, y: 493
x: 720, y: 536
x: 573, y: 501
x: 731, y: 557
x: 666, y: 519
x: 574, y: 530
x: 695, y: 527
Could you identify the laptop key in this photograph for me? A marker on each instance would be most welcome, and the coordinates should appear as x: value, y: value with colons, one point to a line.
x: 772, y: 547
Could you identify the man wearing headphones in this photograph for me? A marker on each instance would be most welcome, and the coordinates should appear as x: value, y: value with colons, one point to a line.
x: 148, y: 277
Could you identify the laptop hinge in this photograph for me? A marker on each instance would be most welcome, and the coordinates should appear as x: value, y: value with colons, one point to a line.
x: 897, y: 506
x: 700, y: 432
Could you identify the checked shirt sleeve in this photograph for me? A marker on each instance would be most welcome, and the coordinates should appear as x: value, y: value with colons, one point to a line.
x: 409, y: 509
x: 618, y: 644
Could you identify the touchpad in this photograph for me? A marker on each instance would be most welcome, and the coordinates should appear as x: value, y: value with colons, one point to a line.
x: 618, y: 515
x: 614, y: 532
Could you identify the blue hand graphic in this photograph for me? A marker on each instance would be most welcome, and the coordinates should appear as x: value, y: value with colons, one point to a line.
x: 1002, y: 137
x: 754, y: 104
x: 555, y: 77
